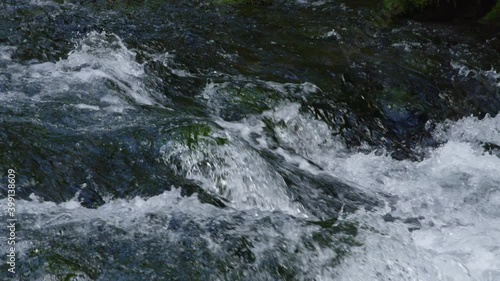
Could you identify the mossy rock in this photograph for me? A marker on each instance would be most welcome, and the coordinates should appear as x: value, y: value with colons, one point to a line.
x: 192, y: 135
x: 493, y: 17
x: 235, y: 101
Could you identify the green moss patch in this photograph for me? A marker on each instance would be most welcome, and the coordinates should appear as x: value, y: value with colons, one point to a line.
x: 493, y: 17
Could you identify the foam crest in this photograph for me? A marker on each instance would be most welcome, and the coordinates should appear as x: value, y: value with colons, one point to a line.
x: 297, y: 136
x: 101, y: 72
x: 175, y: 223
x: 136, y: 207
x: 6, y: 52
x: 449, y: 201
x: 302, y: 134
x: 470, y: 129
x: 490, y: 78
x: 452, y: 198
x: 230, y: 168
x: 105, y: 56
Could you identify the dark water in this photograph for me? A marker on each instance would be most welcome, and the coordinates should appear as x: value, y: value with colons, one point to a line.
x: 175, y: 140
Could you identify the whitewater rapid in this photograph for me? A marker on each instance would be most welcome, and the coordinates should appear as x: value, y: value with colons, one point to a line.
x: 436, y: 219
x: 442, y: 222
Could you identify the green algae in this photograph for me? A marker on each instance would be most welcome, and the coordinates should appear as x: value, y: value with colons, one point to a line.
x: 493, y: 17
x: 193, y: 135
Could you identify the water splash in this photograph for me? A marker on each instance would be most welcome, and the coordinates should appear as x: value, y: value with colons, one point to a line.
x: 441, y: 215
x: 101, y: 72
x: 230, y: 168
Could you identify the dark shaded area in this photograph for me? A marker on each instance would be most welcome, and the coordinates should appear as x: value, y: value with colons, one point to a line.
x: 456, y: 9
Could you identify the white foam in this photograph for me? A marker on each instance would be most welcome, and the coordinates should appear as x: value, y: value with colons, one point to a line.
x: 100, y: 66
x: 332, y: 33
x: 102, y: 55
x: 232, y: 170
x: 490, y: 78
x: 455, y: 193
x: 309, y: 140
x: 86, y: 106
x: 470, y: 129
x: 279, y: 240
x: 407, y: 46
x: 112, y: 211
x: 6, y: 52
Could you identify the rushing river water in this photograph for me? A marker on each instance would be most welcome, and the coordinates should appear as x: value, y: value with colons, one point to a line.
x: 191, y: 140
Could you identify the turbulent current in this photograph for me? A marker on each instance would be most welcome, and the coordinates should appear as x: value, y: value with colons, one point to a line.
x: 167, y: 140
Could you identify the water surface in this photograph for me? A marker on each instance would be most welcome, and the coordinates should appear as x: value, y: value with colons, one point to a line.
x: 175, y: 140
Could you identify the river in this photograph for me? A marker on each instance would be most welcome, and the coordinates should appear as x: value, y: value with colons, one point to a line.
x: 197, y: 140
